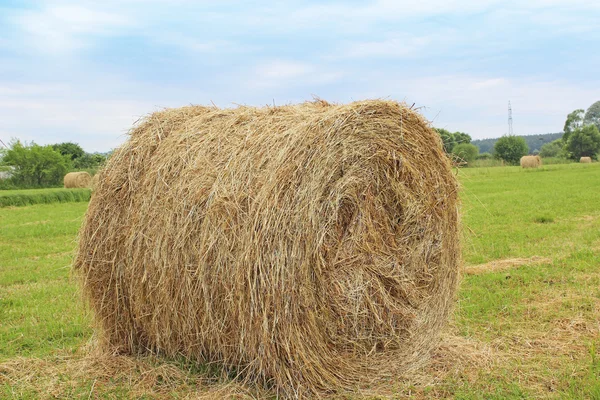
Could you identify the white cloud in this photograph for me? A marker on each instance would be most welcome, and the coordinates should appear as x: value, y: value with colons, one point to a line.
x: 278, y: 70
x: 488, y: 83
x: 28, y: 89
x: 393, y: 47
x: 285, y: 74
x: 60, y: 28
x: 95, y: 124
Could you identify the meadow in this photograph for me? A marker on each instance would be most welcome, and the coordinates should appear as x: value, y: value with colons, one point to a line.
x: 526, y: 324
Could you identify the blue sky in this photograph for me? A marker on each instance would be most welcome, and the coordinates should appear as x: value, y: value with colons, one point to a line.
x: 85, y: 71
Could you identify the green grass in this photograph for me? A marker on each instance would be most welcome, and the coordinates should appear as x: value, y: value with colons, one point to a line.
x: 40, y: 313
x: 27, y: 197
x: 491, y: 162
x: 540, y: 322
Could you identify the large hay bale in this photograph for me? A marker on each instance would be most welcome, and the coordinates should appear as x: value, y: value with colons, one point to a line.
x: 585, y: 160
x: 77, y: 180
x: 531, y: 161
x: 310, y: 247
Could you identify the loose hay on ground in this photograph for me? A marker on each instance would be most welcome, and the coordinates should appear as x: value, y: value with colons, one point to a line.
x: 504, y: 264
x: 99, y: 375
x: 311, y: 248
x: 96, y: 374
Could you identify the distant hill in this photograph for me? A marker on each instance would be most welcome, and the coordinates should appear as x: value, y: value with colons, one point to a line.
x: 534, y: 142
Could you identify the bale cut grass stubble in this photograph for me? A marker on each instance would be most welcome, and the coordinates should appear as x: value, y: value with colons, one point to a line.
x: 77, y: 180
x: 531, y: 161
x: 311, y: 248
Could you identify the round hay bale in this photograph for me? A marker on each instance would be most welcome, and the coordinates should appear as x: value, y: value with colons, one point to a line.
x: 531, y: 161
x: 585, y: 160
x: 94, y: 182
x: 77, y: 180
x: 309, y: 247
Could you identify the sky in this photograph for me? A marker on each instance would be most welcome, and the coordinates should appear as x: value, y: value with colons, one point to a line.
x: 86, y: 71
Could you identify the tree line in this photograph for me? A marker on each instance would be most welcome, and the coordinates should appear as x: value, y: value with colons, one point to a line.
x: 534, y: 142
x: 580, y: 138
x: 30, y: 165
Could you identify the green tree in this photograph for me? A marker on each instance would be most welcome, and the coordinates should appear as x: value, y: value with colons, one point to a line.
x: 574, y: 121
x: 35, y: 165
x: 88, y: 161
x: 510, y: 149
x: 584, y: 142
x: 552, y: 149
x: 461, y: 137
x: 465, y: 152
x: 447, y: 139
x: 73, y: 150
x: 592, y: 115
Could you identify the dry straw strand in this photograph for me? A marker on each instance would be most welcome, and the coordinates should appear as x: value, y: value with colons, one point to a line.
x: 77, y: 180
x: 309, y: 248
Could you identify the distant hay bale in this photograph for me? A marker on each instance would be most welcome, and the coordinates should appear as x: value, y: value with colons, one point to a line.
x: 585, y: 160
x: 77, y: 180
x: 310, y: 247
x: 94, y: 182
x: 531, y: 161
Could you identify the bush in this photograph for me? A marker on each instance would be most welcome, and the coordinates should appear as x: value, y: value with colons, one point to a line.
x: 484, y: 156
x: 6, y: 184
x: 465, y: 152
x: 552, y: 149
x: 487, y: 163
x: 556, y: 160
x: 510, y: 149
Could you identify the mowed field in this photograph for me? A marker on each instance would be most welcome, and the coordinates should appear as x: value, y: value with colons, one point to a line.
x: 526, y: 325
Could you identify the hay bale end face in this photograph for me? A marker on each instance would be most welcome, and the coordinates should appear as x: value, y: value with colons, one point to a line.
x: 310, y: 247
x: 531, y: 161
x: 77, y: 180
x: 585, y: 160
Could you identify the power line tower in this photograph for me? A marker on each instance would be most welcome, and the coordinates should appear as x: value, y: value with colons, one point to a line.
x: 510, y: 128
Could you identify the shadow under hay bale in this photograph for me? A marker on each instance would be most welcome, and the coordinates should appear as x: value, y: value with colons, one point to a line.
x: 310, y: 247
x: 77, y: 180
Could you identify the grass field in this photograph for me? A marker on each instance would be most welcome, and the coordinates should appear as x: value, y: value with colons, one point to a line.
x: 527, y: 323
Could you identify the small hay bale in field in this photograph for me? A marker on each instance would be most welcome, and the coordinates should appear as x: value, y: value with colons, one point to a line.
x: 77, y: 180
x: 310, y: 247
x: 94, y: 182
x: 585, y: 160
x: 531, y: 161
